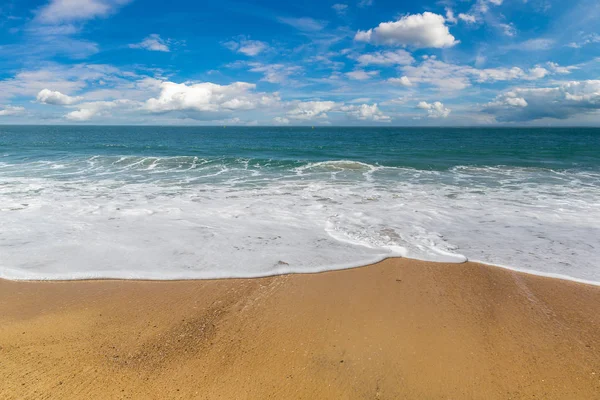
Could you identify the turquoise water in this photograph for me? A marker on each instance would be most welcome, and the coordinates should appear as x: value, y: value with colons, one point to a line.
x: 204, y: 202
x: 420, y: 148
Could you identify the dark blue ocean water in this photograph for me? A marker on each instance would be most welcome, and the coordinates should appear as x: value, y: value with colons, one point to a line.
x: 206, y: 202
x: 420, y: 148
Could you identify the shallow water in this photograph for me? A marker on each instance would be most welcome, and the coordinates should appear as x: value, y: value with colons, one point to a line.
x: 178, y: 203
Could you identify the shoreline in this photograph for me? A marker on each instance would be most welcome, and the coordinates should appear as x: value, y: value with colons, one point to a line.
x: 560, y: 277
x: 396, y: 329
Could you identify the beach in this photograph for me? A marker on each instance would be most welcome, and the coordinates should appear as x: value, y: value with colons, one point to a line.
x: 397, y: 329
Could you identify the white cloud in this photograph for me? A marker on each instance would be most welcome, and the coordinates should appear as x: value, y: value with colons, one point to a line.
x: 457, y: 77
x: 538, y: 44
x: 209, y: 97
x: 468, y: 18
x: 87, y: 111
x: 47, y: 96
x: 281, y: 121
x: 480, y: 13
x: 434, y: 110
x: 310, y: 110
x: 566, y: 100
x: 318, y: 110
x: 398, y: 57
x: 483, y: 6
x: 416, y: 30
x: 557, y: 69
x: 246, y: 46
x: 398, y: 101
x: 450, y: 16
x: 361, y: 75
x: 83, y: 114
x: 509, y: 99
x: 324, y: 60
x: 139, y: 89
x: 438, y: 73
x: 11, y: 110
x: 64, y: 79
x: 537, y: 73
x: 275, y: 73
x: 48, y: 47
x: 340, y: 8
x: 304, y: 23
x: 453, y: 19
x: 403, y: 81
x: 517, y: 102
x: 153, y: 43
x: 365, y: 3
x: 53, y: 30
x: 365, y: 112
x: 585, y: 40
x: 507, y: 29
x: 58, y: 11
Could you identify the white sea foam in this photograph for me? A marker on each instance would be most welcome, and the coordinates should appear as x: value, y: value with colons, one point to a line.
x: 185, y: 218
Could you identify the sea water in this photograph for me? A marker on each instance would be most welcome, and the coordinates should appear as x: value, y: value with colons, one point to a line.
x: 84, y: 202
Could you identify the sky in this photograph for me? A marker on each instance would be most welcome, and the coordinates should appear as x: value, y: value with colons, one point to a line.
x: 325, y: 62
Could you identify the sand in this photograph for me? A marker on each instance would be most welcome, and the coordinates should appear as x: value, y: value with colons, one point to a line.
x: 400, y: 329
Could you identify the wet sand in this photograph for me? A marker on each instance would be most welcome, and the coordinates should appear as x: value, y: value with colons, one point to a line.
x: 398, y: 329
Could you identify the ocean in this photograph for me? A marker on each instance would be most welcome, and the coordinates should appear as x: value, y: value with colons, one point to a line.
x: 82, y: 202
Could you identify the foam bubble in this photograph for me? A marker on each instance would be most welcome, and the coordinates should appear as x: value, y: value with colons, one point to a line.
x: 186, y: 217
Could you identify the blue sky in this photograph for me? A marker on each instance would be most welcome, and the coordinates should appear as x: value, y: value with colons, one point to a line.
x: 327, y: 62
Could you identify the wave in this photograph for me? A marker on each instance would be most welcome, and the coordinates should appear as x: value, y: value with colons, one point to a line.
x: 137, y: 217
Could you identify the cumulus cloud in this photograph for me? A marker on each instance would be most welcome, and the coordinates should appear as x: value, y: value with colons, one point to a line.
x: 246, y: 46
x: 209, y: 97
x: 310, y: 110
x: 563, y: 101
x: 427, y: 30
x: 434, y: 110
x: 510, y: 99
x: 398, y: 57
x: 11, y: 110
x: 366, y: 112
x: 54, y: 97
x: 153, y: 43
x: 537, y: 73
x: 84, y: 114
x: 59, y: 11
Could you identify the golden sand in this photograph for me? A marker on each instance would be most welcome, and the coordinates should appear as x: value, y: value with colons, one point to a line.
x: 400, y: 329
